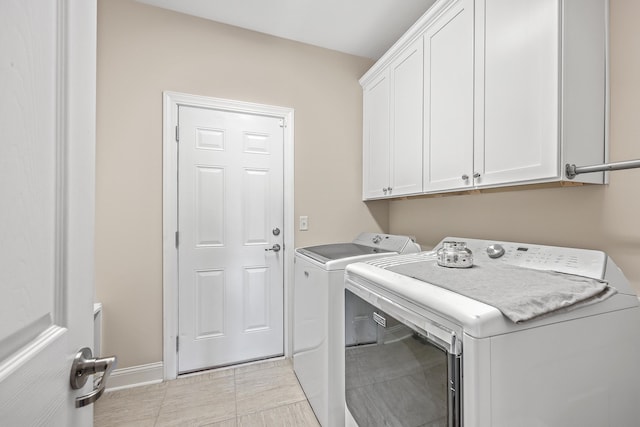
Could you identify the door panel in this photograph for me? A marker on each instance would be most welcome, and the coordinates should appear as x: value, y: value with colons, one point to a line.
x: 406, y: 121
x: 256, y: 206
x: 256, y: 301
x: 448, y: 119
x: 47, y: 115
x: 376, y: 166
x: 230, y: 198
x: 520, y: 68
x: 209, y: 206
x: 209, y: 307
x: 28, y: 225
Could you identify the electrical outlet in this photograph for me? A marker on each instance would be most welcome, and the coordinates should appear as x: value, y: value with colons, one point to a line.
x: 304, y: 223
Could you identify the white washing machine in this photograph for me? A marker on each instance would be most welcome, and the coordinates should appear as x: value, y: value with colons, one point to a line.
x: 318, y: 329
x: 441, y: 358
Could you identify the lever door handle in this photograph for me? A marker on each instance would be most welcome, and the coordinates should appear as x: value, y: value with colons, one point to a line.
x: 274, y: 248
x: 83, y: 366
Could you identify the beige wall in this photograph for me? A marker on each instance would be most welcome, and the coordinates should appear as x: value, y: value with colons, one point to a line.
x: 602, y: 217
x: 143, y: 51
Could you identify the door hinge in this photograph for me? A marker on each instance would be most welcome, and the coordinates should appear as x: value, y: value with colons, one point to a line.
x: 177, y: 134
x: 283, y: 123
x: 177, y: 343
x: 177, y: 238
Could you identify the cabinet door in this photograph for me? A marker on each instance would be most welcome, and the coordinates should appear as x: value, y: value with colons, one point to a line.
x: 517, y: 126
x: 406, y: 121
x: 448, y: 96
x: 376, y: 137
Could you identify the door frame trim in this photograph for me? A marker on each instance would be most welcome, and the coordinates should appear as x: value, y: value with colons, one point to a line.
x: 171, y: 101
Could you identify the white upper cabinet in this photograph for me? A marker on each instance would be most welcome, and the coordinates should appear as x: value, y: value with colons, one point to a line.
x: 392, y: 150
x: 448, y: 100
x: 518, y: 68
x: 376, y: 148
x: 406, y: 122
x: 512, y: 91
x: 540, y: 89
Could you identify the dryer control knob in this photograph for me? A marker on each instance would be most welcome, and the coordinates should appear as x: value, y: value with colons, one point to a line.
x: 495, y: 251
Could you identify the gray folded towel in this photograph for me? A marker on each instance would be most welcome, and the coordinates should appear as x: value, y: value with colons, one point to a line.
x: 519, y: 293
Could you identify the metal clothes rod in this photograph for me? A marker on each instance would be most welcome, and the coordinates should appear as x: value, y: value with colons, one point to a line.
x: 573, y: 170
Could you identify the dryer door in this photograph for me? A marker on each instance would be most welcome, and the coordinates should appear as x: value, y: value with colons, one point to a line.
x: 400, y: 376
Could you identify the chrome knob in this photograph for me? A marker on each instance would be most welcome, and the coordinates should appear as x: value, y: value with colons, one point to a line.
x: 476, y: 175
x: 495, y: 250
x: 274, y: 248
x: 465, y: 177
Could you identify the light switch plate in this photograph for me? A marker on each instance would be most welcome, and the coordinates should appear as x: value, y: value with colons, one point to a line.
x: 304, y: 223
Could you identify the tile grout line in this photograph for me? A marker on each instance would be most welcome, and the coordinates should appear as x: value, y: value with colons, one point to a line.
x: 265, y: 410
x: 235, y: 394
x: 164, y: 396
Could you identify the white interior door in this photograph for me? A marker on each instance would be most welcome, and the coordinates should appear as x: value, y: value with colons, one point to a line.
x: 47, y: 117
x: 230, y: 217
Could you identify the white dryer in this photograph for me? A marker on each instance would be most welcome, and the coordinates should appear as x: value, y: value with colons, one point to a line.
x: 318, y: 329
x: 441, y: 358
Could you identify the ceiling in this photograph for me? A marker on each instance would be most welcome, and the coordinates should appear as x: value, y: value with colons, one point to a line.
x: 359, y: 27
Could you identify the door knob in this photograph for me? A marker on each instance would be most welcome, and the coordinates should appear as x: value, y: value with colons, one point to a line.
x: 274, y: 248
x: 83, y: 366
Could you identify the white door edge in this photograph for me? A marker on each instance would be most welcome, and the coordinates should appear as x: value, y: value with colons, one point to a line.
x: 171, y: 101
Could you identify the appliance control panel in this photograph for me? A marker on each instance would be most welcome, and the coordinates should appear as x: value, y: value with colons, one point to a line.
x: 388, y: 242
x: 582, y: 262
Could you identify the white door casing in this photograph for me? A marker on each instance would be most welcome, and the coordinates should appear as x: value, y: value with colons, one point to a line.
x: 47, y: 114
x: 206, y: 144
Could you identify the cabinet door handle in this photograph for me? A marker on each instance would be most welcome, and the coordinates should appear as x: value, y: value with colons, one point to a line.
x: 476, y: 175
x: 465, y: 177
x: 384, y: 190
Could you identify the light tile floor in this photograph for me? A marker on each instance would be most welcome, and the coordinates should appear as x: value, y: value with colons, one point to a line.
x: 261, y: 394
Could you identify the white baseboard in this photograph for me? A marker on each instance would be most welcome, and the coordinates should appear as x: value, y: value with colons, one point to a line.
x: 135, y: 376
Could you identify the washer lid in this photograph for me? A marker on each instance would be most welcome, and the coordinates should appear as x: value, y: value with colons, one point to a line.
x: 366, y: 244
x: 334, y: 251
